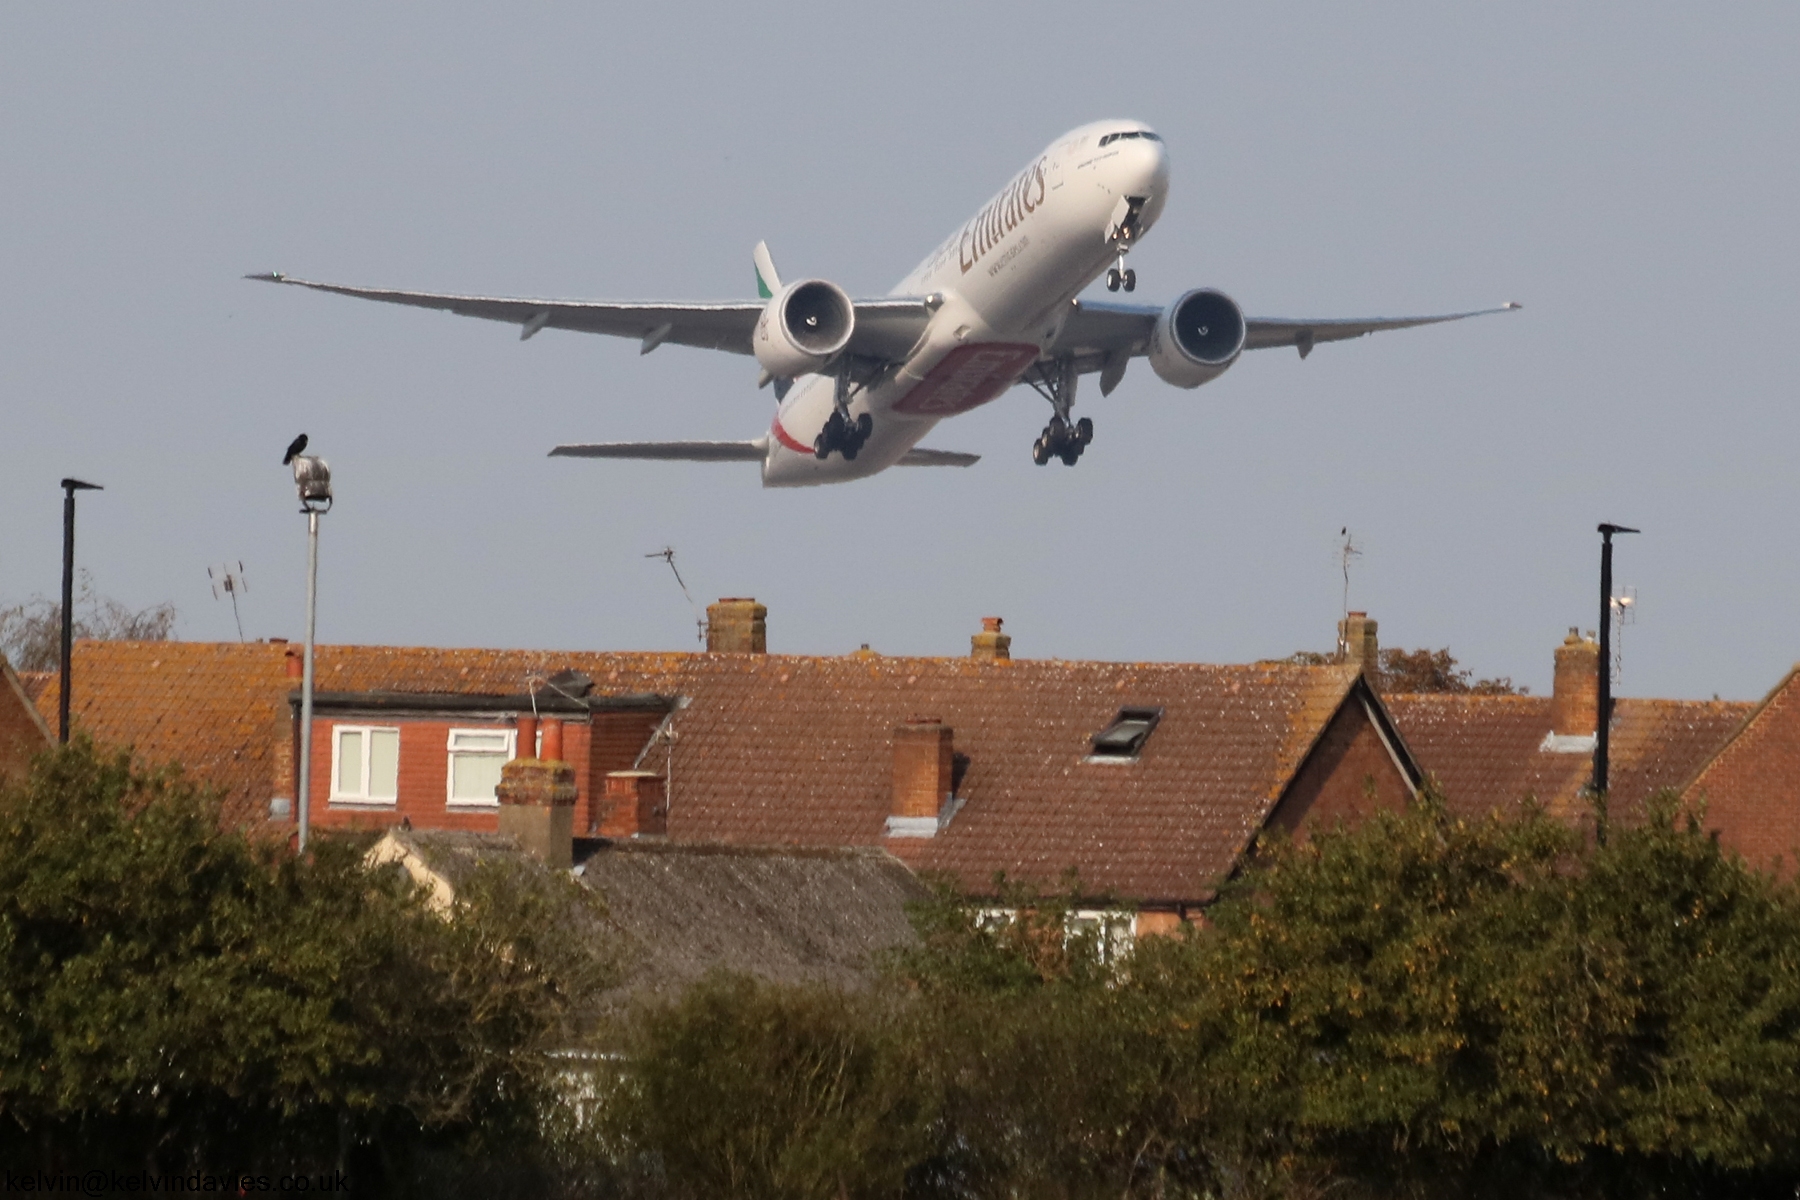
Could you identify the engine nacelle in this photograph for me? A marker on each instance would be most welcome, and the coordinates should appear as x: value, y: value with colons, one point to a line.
x: 802, y: 326
x: 1197, y: 338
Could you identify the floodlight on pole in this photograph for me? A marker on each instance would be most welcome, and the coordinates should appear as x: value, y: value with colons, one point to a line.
x: 69, y: 487
x: 1603, y: 724
x: 312, y: 480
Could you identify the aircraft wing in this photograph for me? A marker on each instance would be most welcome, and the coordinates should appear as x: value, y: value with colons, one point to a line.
x: 751, y: 451
x: 1098, y: 330
x: 885, y: 328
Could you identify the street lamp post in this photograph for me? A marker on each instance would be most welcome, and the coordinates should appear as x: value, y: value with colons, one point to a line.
x: 1603, y: 727
x: 69, y: 487
x: 312, y: 479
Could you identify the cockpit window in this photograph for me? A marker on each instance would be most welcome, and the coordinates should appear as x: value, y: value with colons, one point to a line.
x: 1110, y: 138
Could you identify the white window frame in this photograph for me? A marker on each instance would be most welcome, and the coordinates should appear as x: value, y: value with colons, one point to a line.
x: 450, y: 752
x: 363, y: 797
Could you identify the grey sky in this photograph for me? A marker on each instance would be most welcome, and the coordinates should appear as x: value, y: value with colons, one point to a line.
x: 1629, y: 172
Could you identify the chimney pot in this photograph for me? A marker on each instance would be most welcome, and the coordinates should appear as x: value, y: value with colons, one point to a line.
x: 528, y: 736
x: 1575, y: 695
x: 553, y: 740
x: 990, y: 645
x: 737, y: 625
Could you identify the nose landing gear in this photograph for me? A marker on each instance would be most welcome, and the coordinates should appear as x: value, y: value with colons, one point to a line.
x: 1062, y: 438
x: 1121, y: 276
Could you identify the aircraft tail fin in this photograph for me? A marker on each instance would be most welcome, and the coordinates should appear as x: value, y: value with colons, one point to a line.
x: 767, y: 281
x: 751, y: 451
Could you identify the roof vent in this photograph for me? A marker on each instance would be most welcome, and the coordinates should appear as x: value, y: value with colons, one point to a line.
x: 1124, y: 739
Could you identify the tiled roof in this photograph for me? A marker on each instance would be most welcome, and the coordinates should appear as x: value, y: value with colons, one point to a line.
x: 1487, y: 751
x: 785, y: 750
x: 23, y: 733
x: 1751, y: 787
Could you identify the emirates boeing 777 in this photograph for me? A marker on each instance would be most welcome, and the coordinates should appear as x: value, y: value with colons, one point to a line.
x: 858, y: 383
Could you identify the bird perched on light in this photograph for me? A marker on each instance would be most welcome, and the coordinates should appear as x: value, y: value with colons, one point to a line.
x: 294, y: 448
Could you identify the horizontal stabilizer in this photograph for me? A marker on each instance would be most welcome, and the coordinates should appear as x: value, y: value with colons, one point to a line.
x: 937, y: 458
x: 754, y: 451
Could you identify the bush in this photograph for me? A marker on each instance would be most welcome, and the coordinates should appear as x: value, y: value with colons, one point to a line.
x: 180, y: 995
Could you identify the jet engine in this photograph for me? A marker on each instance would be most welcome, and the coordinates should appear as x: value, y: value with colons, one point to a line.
x: 802, y: 327
x: 1197, y: 338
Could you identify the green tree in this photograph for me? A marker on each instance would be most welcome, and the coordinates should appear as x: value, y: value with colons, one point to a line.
x: 747, y: 1089
x: 177, y: 994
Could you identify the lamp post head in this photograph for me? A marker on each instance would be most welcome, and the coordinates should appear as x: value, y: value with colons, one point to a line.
x: 312, y: 479
x: 78, y: 485
x: 1607, y: 529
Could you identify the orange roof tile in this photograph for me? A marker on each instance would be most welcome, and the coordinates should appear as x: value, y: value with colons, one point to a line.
x: 1488, y: 751
x: 788, y: 750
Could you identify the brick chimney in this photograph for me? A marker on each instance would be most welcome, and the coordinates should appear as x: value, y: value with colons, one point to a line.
x: 635, y: 805
x: 737, y: 625
x: 1575, y: 696
x: 1356, y: 634
x: 990, y: 645
x: 924, y: 764
x: 296, y: 663
x: 537, y: 807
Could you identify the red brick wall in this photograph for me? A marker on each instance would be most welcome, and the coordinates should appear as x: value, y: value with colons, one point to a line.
x: 615, y: 739
x: 1334, y: 783
x: 424, y: 775
x: 1752, y: 789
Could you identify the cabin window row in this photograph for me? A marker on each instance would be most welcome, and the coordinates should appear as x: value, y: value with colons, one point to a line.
x: 365, y: 765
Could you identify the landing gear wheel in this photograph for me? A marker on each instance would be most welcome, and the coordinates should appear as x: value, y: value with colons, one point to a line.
x: 865, y: 425
x: 1113, y: 279
x: 1040, y: 452
x: 1130, y: 280
x: 1084, y: 431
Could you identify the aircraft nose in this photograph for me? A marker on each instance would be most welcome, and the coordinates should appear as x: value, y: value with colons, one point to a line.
x: 1143, y: 168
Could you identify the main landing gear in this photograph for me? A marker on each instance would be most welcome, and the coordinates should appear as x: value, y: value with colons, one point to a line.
x: 842, y: 433
x: 1121, y: 276
x: 1062, y: 438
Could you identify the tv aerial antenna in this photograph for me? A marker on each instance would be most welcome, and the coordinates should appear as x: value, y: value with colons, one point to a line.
x: 1624, y: 612
x: 667, y: 554
x: 1348, y: 553
x: 228, y: 580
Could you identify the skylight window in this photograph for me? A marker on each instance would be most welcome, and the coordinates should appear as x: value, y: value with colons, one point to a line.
x: 1124, y: 739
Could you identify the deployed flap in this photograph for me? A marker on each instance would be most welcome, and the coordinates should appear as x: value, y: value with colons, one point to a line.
x: 919, y: 457
x: 754, y: 451
x: 886, y: 328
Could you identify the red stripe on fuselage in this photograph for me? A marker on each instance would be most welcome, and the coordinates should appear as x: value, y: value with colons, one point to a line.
x: 781, y: 435
x: 968, y: 377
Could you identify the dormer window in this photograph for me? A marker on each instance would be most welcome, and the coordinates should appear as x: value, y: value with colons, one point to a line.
x: 1123, y: 740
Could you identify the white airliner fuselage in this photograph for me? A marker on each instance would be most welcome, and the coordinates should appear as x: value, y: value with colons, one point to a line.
x: 1006, y: 278
x: 860, y: 382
